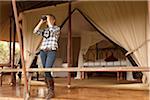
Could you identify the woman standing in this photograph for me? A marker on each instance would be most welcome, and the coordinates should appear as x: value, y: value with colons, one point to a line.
x: 48, y: 48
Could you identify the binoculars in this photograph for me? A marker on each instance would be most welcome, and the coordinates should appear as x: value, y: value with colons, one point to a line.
x: 44, y: 17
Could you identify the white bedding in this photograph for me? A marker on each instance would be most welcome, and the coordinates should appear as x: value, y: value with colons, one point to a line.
x: 104, y: 63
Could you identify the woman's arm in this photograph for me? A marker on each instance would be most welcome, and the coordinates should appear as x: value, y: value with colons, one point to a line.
x: 38, y: 26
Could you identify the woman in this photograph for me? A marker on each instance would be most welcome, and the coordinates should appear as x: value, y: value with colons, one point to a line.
x: 48, y: 48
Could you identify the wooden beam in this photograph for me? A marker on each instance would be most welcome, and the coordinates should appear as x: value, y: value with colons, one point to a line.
x: 148, y: 40
x: 21, y: 47
x: 10, y: 40
x: 84, y: 69
x: 10, y: 50
x: 13, y: 80
x: 69, y: 49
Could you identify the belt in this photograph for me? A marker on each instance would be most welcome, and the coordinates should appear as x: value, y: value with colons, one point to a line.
x: 48, y: 50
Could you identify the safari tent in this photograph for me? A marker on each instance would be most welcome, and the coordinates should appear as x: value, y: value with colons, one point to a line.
x: 120, y: 26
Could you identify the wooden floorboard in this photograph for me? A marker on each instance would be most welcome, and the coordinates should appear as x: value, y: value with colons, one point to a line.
x: 98, y: 88
x: 62, y: 93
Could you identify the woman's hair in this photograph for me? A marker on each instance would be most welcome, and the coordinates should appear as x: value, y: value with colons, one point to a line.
x: 52, y: 16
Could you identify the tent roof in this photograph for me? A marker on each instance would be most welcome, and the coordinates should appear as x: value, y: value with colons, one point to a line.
x: 6, y: 12
x: 27, y: 5
x: 76, y: 26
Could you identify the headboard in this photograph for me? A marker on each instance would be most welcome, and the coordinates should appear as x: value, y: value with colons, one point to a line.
x: 113, y: 53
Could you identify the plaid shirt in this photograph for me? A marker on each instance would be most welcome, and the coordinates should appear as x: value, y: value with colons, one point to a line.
x: 50, y: 39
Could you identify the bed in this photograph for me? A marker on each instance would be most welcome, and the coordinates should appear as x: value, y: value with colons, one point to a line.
x: 105, y: 57
x: 102, y: 63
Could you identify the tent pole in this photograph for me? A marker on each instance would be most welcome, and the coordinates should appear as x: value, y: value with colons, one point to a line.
x: 69, y: 56
x: 148, y: 40
x: 10, y: 40
x: 26, y: 95
x: 13, y: 54
x: 10, y: 50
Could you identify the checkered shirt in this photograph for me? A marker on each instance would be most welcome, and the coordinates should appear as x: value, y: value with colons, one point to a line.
x: 50, y: 39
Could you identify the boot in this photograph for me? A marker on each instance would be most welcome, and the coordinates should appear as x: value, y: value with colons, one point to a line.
x: 47, y: 80
x: 50, y: 86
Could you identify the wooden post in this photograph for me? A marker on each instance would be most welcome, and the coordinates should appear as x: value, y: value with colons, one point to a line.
x: 21, y: 47
x: 13, y: 53
x: 69, y: 56
x: 10, y: 40
x: 148, y: 40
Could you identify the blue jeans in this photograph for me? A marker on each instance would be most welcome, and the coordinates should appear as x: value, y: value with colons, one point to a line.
x: 48, y: 58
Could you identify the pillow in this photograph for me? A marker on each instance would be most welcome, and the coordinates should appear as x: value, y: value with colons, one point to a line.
x: 111, y: 58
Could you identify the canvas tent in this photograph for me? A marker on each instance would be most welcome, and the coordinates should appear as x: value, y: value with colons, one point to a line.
x: 4, y: 20
x: 124, y: 22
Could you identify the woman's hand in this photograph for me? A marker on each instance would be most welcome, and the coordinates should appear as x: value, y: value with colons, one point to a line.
x: 42, y: 21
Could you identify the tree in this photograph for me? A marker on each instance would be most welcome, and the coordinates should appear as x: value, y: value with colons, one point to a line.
x: 4, y: 52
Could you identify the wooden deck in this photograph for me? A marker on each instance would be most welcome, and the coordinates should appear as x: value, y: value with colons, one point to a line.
x: 62, y: 93
x: 98, y: 88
